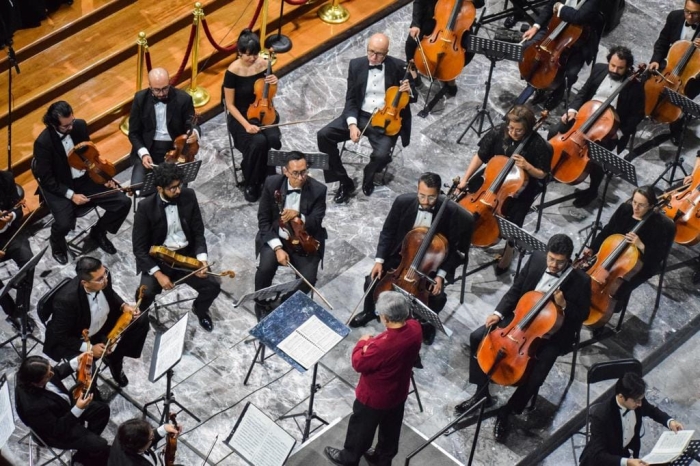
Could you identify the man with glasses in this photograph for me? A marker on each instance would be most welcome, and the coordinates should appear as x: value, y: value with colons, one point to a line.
x: 135, y: 441
x: 368, y: 79
x: 170, y: 217
x: 410, y: 211
x: 291, y: 197
x: 540, y: 273
x: 89, y: 302
x: 616, y: 425
x: 64, y: 188
x: 159, y: 114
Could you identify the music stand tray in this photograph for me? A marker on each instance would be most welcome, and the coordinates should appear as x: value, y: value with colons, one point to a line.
x: 421, y: 310
x: 524, y: 241
x: 271, y: 293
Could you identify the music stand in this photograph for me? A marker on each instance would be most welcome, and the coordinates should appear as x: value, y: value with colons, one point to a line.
x: 278, y: 158
x: 691, y: 453
x: 190, y: 170
x: 690, y: 110
x: 417, y: 308
x: 495, y: 51
x: 524, y: 242
x: 21, y: 282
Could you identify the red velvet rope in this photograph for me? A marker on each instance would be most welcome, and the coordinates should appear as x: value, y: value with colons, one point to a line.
x: 176, y: 78
x: 232, y: 48
x: 147, y: 55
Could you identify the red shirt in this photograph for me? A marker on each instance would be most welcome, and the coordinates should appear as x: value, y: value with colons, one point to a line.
x: 385, y: 367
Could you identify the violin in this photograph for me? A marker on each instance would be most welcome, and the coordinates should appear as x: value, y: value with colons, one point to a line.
x: 170, y: 444
x: 542, y: 60
x: 3, y: 223
x: 595, y: 122
x: 506, y: 354
x: 441, y: 55
x: 682, y: 208
x: 84, y: 371
x: 183, y: 151
x: 299, y: 240
x: 502, y: 182
x: 124, y: 320
x: 262, y: 112
x: 85, y: 156
x: 423, y: 250
x: 180, y: 261
x: 388, y: 120
x: 682, y: 65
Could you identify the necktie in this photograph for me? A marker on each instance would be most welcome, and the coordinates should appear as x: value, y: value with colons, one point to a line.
x: 376, y: 67
x: 290, y: 191
x: 94, y: 297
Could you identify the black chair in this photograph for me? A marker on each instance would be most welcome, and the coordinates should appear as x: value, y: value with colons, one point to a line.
x: 230, y: 142
x: 44, y: 307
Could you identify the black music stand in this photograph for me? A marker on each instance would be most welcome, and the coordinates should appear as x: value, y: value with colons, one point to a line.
x: 691, y: 110
x: 278, y: 158
x: 190, y: 169
x: 417, y: 308
x: 523, y: 241
x: 23, y: 284
x: 279, y: 42
x: 495, y: 51
x: 691, y: 453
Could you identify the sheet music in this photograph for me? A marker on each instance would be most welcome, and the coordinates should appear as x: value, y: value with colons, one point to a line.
x: 309, y: 342
x: 260, y: 441
x: 670, y: 446
x: 170, y: 347
x: 7, y: 422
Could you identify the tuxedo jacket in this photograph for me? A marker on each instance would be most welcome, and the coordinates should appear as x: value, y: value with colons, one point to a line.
x: 150, y: 227
x: 605, y: 446
x: 394, y: 71
x: 630, y: 102
x: 142, y: 119
x: 120, y: 457
x: 670, y: 33
x: 590, y: 14
x: 52, y: 171
x: 453, y: 225
x: 71, y: 315
x: 312, y: 206
x: 576, y: 290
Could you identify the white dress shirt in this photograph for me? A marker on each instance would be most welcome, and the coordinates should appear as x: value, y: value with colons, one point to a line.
x: 687, y: 32
x: 99, y: 311
x: 374, y: 93
x: 292, y: 202
x: 606, y: 89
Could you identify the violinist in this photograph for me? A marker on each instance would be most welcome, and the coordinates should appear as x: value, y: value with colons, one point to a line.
x: 409, y: 211
x: 88, y: 301
x: 135, y: 441
x: 253, y: 142
x: 653, y: 240
x: 589, y: 15
x: 300, y: 198
x: 629, y: 106
x: 65, y: 188
x: 535, y: 160
x: 45, y: 405
x: 680, y: 25
x: 171, y: 217
x: 158, y: 115
x: 368, y: 79
x: 539, y: 273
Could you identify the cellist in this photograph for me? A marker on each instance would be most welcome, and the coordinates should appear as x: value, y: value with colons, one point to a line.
x: 135, y: 442
x: 409, y: 211
x: 629, y: 106
x: 539, y: 274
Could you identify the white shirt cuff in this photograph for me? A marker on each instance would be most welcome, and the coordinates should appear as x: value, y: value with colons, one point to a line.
x: 202, y: 257
x: 302, y: 217
x: 536, y: 26
x: 77, y: 412
x: 161, y: 431
x: 153, y: 270
x: 83, y: 348
x: 69, y: 194
x: 143, y: 151
x: 572, y: 110
x: 668, y: 424
x: 74, y: 362
x: 623, y: 461
x: 379, y: 260
x: 274, y: 243
x: 498, y: 314
x: 441, y: 273
x: 351, y: 121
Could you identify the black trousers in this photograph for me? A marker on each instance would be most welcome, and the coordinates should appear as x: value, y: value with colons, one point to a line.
x: 541, y: 364
x: 157, y: 153
x: 362, y: 425
x: 267, y: 268
x: 20, y: 252
x: 255, y: 148
x: 92, y: 450
x: 116, y: 207
x: 337, y: 131
x: 207, y: 288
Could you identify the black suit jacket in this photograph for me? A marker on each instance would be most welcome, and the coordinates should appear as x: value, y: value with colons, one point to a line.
x: 52, y: 171
x: 150, y: 227
x: 589, y: 14
x: 71, y: 315
x: 670, y: 33
x: 453, y: 225
x: 630, y: 102
x: 394, y: 71
x: 576, y: 290
x: 142, y: 119
x: 312, y: 206
x: 605, y: 447
x: 120, y: 457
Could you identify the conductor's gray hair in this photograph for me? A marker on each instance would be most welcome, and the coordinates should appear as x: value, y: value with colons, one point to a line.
x: 393, y: 306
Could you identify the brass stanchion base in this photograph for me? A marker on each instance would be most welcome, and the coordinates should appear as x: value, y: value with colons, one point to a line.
x: 124, y: 125
x: 266, y: 55
x: 334, y: 14
x: 200, y: 96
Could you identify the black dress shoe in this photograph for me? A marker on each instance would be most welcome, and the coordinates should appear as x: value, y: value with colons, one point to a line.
x: 540, y: 96
x: 250, y: 194
x: 368, y: 189
x: 451, y: 90
x: 501, y: 427
x: 14, y: 323
x: 362, y: 319
x: 585, y: 197
x: 117, y: 371
x: 428, y: 334
x: 100, y: 238
x: 334, y: 455
x: 465, y: 406
x: 344, y: 192
x: 206, y: 322
x: 498, y: 270
x: 59, y: 251
x: 374, y: 458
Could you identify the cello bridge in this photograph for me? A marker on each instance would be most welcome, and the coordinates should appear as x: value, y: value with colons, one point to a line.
x: 510, y: 337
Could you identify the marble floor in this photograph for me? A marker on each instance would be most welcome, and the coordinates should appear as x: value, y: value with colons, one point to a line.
x: 209, y: 378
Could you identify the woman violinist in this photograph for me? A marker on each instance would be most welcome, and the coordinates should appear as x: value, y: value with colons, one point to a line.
x: 239, y: 94
x: 535, y: 161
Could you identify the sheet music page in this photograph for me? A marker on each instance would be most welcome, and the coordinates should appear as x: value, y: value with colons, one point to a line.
x: 319, y: 334
x: 7, y: 422
x: 301, y: 349
x: 260, y: 441
x: 170, y: 348
x: 669, y: 446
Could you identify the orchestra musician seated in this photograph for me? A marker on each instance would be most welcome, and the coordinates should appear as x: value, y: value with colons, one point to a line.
x: 89, y: 302
x: 135, y: 440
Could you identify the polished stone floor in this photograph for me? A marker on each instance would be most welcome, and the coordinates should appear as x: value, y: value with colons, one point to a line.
x: 209, y: 378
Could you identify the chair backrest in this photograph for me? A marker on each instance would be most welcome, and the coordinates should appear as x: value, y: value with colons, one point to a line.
x: 44, y: 308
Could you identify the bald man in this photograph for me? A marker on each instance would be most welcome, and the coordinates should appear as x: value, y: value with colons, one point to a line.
x: 368, y: 79
x: 159, y: 114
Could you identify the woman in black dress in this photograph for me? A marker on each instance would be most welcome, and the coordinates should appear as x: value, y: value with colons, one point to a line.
x: 253, y: 142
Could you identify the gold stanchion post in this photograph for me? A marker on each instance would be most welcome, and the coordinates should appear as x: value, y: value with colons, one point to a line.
x: 200, y: 96
x: 143, y: 46
x: 334, y: 13
x: 263, y: 31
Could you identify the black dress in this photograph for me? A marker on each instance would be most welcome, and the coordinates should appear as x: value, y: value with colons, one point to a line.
x: 253, y: 146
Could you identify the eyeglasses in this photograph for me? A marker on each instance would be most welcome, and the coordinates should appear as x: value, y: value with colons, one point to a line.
x: 423, y: 197
x: 103, y: 278
x: 641, y: 205
x: 172, y: 189
x: 298, y: 174
x: 516, y: 130
x: 160, y: 90
x: 694, y: 14
x: 68, y: 126
x: 376, y: 54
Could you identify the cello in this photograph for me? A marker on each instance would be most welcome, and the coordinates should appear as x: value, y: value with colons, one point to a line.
x: 505, y: 354
x: 183, y: 151
x: 682, y: 208
x: 595, y: 122
x: 298, y: 239
x: 388, y: 119
x: 542, y: 60
x: 502, y: 181
x: 262, y: 112
x: 441, y: 55
x: 422, y: 251
x: 85, y: 156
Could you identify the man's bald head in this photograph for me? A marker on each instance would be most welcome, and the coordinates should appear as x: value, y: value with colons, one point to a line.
x: 158, y: 78
x: 377, y: 48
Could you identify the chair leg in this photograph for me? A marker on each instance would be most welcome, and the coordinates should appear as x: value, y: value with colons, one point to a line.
x: 618, y: 327
x: 661, y: 284
x: 541, y: 208
x: 574, y: 355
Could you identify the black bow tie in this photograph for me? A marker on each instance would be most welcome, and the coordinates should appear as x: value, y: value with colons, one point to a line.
x: 160, y: 100
x: 167, y: 203
x: 692, y: 26
x: 376, y: 67
x: 625, y: 413
x: 553, y: 274
x: 290, y: 191
x: 428, y: 210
